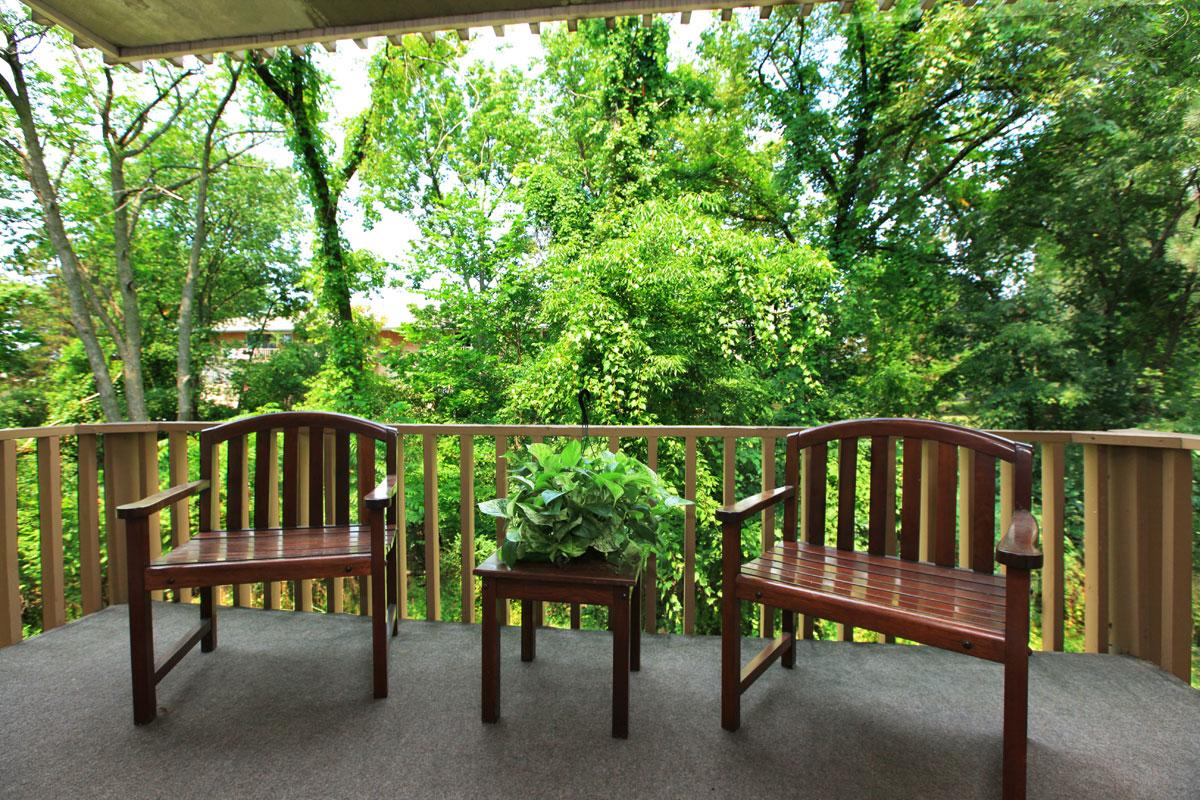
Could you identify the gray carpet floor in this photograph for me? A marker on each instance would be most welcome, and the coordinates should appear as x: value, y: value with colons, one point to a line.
x: 283, y: 708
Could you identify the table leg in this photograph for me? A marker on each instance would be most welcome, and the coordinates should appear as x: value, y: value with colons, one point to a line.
x: 635, y: 625
x: 575, y: 618
x: 528, y: 630
x: 618, y: 615
x: 491, y: 654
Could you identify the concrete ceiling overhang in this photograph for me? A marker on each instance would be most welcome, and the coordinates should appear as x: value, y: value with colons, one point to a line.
x: 131, y: 31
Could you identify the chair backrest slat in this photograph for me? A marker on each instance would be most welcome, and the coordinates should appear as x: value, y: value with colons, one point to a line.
x: 880, y: 496
x: 983, y: 514
x: 910, y: 501
x: 847, y: 484
x: 814, y: 495
x: 235, y: 483
x: 930, y: 492
x: 341, y: 478
x: 943, y: 528
x: 366, y: 470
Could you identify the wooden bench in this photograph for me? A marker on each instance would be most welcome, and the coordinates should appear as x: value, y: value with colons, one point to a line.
x: 311, y: 536
x: 918, y: 594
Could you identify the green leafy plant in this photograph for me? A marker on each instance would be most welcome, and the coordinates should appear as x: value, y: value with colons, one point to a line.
x: 569, y: 502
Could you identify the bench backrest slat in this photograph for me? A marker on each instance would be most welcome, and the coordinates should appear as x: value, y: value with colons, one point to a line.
x: 880, y: 495
x: 847, y: 485
x: 929, y: 492
x: 320, y: 464
x: 814, y: 495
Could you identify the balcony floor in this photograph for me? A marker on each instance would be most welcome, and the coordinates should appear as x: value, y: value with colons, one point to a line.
x: 283, y: 707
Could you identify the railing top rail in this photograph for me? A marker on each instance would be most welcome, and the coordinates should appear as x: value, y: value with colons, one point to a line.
x: 1128, y: 437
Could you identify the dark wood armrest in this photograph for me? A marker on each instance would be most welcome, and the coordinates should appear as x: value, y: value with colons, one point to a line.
x: 148, y: 505
x: 382, y: 494
x: 1019, y: 547
x: 750, y: 506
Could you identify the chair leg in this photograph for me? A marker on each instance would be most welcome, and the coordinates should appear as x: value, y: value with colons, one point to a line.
x: 788, y: 659
x: 379, y: 632
x: 141, y: 653
x: 731, y: 662
x: 208, y: 611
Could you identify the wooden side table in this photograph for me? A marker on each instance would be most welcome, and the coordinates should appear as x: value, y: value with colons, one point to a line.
x: 592, y: 582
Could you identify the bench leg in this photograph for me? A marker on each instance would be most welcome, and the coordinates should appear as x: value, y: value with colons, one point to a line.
x: 141, y: 653
x: 490, y: 695
x: 208, y: 611
x: 618, y: 615
x: 379, y: 631
x: 528, y: 631
x: 731, y: 662
x: 788, y: 659
x: 1016, y: 683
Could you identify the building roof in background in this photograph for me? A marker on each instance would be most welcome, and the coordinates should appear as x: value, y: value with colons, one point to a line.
x: 391, y: 309
x: 131, y: 31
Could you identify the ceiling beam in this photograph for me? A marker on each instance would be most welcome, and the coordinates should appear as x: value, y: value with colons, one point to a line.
x: 41, y: 9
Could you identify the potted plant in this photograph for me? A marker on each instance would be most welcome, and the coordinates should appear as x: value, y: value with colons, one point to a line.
x: 570, y: 503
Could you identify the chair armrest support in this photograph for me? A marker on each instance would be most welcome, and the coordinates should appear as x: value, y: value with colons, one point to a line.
x: 155, y: 502
x: 750, y: 506
x: 1019, y: 547
x: 382, y: 494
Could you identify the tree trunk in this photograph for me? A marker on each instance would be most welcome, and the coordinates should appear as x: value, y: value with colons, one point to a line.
x: 130, y: 343
x: 184, y: 380
x: 43, y: 187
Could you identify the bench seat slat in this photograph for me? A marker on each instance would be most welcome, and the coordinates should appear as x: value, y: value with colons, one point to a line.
x: 221, y: 547
x: 939, y: 597
x: 909, y: 584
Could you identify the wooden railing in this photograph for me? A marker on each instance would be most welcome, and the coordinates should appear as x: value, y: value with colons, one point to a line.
x: 1127, y: 496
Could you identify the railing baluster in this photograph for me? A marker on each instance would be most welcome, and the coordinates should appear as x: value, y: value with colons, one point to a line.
x: 650, y: 576
x: 541, y: 611
x: 1177, y: 519
x: 148, y: 485
x: 335, y: 587
x: 302, y: 590
x: 1095, y: 547
x: 177, y: 473
x: 433, y: 578
x: 766, y: 621
x: 929, y: 490
x: 88, y: 494
x: 121, y: 485
x: 401, y: 530
x: 1007, y: 489
x: 49, y: 464
x: 689, y: 537
x: 466, y: 523
x: 502, y: 491
x: 966, y: 506
x: 10, y: 577
x: 1053, y: 588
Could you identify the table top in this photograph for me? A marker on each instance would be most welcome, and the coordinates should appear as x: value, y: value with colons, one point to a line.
x: 595, y: 572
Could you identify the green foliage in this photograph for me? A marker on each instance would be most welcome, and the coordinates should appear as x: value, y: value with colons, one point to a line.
x: 568, y: 503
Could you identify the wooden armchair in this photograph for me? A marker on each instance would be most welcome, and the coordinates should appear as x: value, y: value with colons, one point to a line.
x: 918, y: 594
x: 315, y: 540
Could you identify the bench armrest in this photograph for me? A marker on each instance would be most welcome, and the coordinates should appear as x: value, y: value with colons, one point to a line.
x: 148, y: 505
x: 1019, y: 547
x: 740, y: 511
x: 382, y: 494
